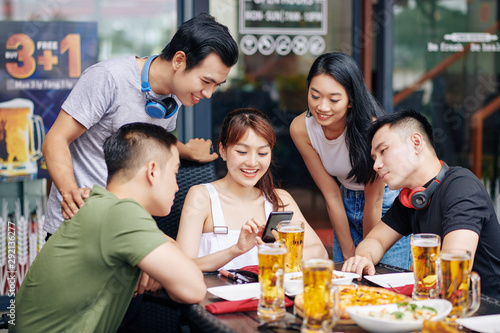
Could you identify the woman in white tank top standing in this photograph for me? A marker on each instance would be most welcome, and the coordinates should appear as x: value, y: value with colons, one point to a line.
x: 331, y: 137
x: 221, y: 222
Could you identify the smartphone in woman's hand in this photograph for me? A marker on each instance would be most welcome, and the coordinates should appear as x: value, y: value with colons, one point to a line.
x: 272, y: 222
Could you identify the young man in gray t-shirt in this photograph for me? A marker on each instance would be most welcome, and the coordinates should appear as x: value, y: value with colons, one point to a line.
x: 116, y: 92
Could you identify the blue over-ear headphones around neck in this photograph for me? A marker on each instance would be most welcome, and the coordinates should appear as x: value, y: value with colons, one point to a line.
x: 163, y: 109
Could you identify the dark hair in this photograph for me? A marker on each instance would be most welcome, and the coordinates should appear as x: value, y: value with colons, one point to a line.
x: 200, y: 36
x: 131, y: 146
x: 235, y: 125
x: 408, y: 120
x: 364, y: 108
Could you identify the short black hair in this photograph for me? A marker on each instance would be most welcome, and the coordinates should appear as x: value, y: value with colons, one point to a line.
x: 408, y: 118
x: 200, y: 36
x: 133, y: 144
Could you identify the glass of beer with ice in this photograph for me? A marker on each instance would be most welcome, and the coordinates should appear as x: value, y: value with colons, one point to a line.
x: 321, y: 297
x: 425, y: 251
x: 272, y: 258
x: 292, y: 234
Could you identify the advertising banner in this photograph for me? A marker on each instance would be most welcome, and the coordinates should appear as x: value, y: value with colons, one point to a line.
x: 40, y: 62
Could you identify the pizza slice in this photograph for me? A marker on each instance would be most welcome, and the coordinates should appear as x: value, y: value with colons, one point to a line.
x: 355, y: 295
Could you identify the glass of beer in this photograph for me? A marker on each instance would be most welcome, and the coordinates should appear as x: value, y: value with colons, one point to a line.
x: 425, y: 251
x: 455, y: 267
x: 321, y: 297
x: 292, y: 234
x: 272, y: 258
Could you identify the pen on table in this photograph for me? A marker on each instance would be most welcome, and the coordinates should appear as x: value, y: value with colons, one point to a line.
x: 240, y: 278
x: 227, y: 274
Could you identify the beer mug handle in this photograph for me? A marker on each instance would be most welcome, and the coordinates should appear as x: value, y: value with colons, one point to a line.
x: 39, y: 134
x: 439, y: 280
x: 280, y: 298
x: 335, y: 296
x: 475, y: 283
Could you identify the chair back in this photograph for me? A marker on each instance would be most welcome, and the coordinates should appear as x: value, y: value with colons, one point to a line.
x: 190, y: 173
x: 201, y: 321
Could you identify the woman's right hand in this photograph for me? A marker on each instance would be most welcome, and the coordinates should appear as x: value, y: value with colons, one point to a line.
x: 249, y: 234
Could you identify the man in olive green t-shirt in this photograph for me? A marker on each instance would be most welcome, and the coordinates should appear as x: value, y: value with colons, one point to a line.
x: 85, y: 276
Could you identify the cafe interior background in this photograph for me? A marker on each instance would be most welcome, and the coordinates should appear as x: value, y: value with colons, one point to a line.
x: 439, y: 57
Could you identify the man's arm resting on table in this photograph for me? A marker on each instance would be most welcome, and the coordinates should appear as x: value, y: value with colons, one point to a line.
x: 371, y: 250
x: 179, y: 275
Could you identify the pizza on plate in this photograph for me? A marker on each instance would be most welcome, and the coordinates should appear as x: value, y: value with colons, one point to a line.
x: 354, y: 295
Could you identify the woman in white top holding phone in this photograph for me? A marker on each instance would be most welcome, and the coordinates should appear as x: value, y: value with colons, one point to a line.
x: 222, y: 222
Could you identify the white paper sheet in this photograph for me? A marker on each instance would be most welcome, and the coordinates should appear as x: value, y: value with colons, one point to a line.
x: 394, y: 279
x: 236, y: 292
x: 482, y: 324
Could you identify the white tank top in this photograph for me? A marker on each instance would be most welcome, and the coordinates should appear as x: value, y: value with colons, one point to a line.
x: 211, y: 242
x: 333, y: 153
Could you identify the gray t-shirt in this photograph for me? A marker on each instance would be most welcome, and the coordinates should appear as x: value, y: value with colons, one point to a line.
x: 107, y: 96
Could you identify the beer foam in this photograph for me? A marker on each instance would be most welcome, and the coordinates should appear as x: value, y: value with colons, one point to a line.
x: 291, y: 229
x: 425, y: 242
x: 272, y: 251
x: 455, y: 256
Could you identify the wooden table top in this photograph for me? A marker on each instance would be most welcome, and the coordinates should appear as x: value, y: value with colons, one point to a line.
x: 249, y: 322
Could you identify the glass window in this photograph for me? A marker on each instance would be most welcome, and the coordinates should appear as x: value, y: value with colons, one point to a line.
x: 271, y: 76
x: 124, y: 27
x: 273, y: 79
x: 140, y: 27
x: 446, y: 66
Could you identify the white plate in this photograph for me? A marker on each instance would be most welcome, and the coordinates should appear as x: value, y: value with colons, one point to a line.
x: 294, y: 284
x: 372, y: 324
x: 395, y: 279
x: 346, y: 279
x: 236, y: 292
x: 482, y: 324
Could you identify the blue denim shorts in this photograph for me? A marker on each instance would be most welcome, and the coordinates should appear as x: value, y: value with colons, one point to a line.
x: 399, y: 254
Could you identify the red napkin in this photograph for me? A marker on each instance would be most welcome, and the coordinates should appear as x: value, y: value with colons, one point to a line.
x: 252, y: 268
x: 238, y: 306
x: 405, y: 290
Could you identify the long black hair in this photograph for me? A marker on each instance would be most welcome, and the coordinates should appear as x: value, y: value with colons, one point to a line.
x: 365, y: 108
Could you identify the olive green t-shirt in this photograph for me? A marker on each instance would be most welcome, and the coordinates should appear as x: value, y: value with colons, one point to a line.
x: 84, y: 277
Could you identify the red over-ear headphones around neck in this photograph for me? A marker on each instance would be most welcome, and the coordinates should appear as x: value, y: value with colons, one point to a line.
x: 420, y: 197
